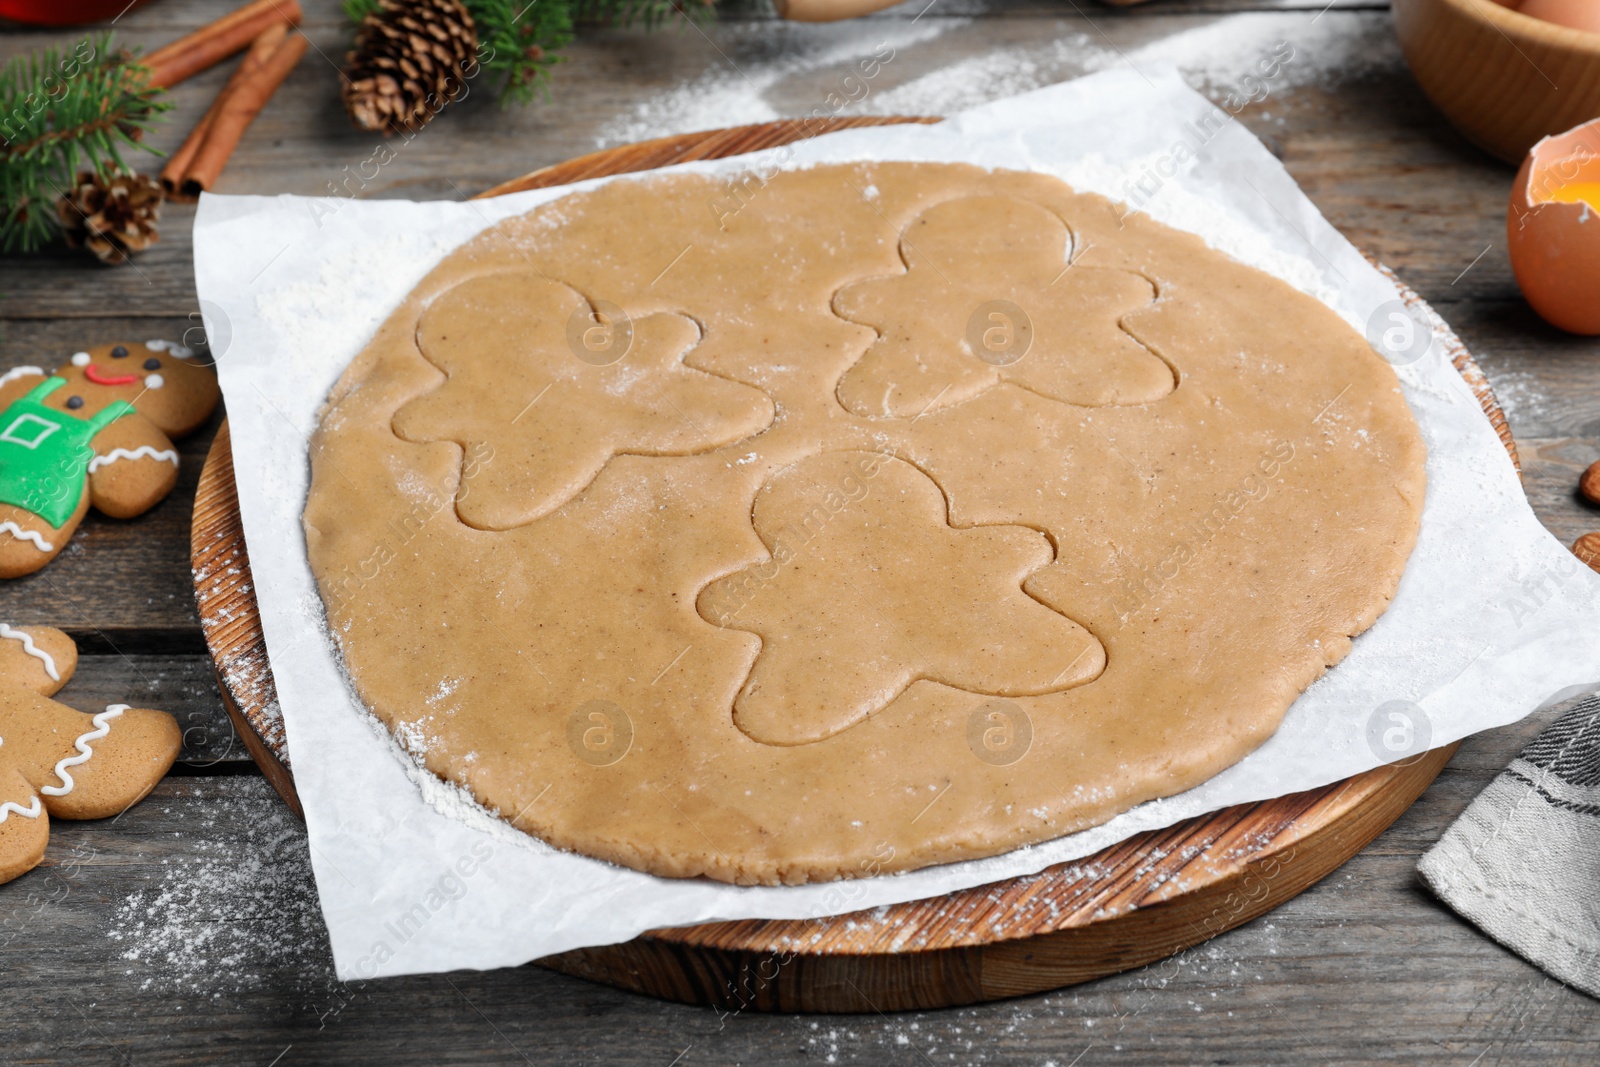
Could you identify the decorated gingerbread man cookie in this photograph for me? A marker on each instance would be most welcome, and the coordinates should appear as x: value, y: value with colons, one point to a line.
x: 59, y: 763
x: 98, y: 431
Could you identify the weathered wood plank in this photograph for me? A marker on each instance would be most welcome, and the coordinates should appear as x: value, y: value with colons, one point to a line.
x: 1548, y: 381
x: 1551, y: 467
x: 123, y: 580
x: 155, y: 24
x: 184, y: 686
x: 50, y: 341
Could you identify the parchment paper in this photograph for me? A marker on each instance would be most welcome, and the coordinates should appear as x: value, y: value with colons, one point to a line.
x: 1493, y: 618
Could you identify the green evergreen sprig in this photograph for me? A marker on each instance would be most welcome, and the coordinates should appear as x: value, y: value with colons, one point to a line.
x: 521, y: 42
x: 61, y: 113
x: 520, y: 50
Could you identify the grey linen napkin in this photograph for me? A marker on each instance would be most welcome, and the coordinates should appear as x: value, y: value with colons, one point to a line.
x: 1523, y: 861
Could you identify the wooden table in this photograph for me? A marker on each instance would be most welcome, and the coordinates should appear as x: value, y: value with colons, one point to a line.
x: 188, y: 932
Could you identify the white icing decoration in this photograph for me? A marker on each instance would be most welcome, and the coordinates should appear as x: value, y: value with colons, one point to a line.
x: 102, y: 724
x: 154, y: 381
x: 142, y: 452
x: 80, y: 359
x: 25, y: 535
x: 181, y: 351
x: 19, y: 372
x: 31, y: 649
x: 11, y: 806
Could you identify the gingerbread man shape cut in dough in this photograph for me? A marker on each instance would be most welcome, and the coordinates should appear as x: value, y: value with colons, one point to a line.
x: 59, y: 763
x: 562, y: 389
x: 869, y: 588
x: 948, y: 330
x: 96, y: 432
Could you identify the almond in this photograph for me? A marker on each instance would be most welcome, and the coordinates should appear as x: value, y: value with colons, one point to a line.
x: 1589, y: 484
x: 1587, y: 548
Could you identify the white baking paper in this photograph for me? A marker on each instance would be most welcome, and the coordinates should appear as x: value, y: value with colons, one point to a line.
x: 1493, y: 618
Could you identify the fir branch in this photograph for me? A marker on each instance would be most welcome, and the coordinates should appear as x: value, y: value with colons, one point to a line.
x: 520, y: 41
x: 651, y: 14
x: 61, y: 113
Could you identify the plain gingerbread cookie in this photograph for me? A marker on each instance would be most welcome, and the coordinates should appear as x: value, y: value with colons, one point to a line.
x: 96, y: 432
x: 59, y: 763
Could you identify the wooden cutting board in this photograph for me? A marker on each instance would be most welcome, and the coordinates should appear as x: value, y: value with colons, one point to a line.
x: 1138, y: 901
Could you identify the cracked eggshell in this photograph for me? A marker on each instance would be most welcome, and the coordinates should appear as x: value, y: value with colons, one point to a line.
x: 1555, y: 245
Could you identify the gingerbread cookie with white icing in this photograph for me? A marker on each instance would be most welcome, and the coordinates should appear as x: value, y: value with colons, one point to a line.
x: 96, y: 432
x: 59, y: 763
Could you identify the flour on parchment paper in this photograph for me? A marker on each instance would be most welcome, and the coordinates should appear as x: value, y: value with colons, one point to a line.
x: 446, y: 798
x: 299, y: 311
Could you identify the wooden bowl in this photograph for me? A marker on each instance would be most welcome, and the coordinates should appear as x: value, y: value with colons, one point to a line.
x: 1502, y: 78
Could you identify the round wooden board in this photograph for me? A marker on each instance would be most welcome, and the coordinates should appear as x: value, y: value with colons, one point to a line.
x: 1140, y: 900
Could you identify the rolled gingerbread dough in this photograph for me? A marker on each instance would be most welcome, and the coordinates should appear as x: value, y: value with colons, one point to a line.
x: 908, y: 513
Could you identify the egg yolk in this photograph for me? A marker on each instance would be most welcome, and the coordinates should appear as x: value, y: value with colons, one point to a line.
x: 1578, y: 193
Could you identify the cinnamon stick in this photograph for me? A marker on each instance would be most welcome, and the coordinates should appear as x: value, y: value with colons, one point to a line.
x: 236, y: 111
x: 216, y: 41
x: 178, y: 163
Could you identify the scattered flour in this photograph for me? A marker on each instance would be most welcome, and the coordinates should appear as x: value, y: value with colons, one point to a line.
x: 1524, y: 400
x: 233, y: 911
x: 247, y: 675
x: 1329, y: 48
x: 1213, y: 58
x: 751, y: 63
x: 983, y: 78
x: 447, y: 798
x: 746, y: 79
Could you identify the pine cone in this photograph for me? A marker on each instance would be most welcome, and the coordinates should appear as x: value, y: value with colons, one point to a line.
x: 112, y: 217
x: 411, y: 58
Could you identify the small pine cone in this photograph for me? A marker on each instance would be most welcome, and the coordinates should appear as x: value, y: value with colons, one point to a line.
x: 411, y: 58
x: 112, y: 217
